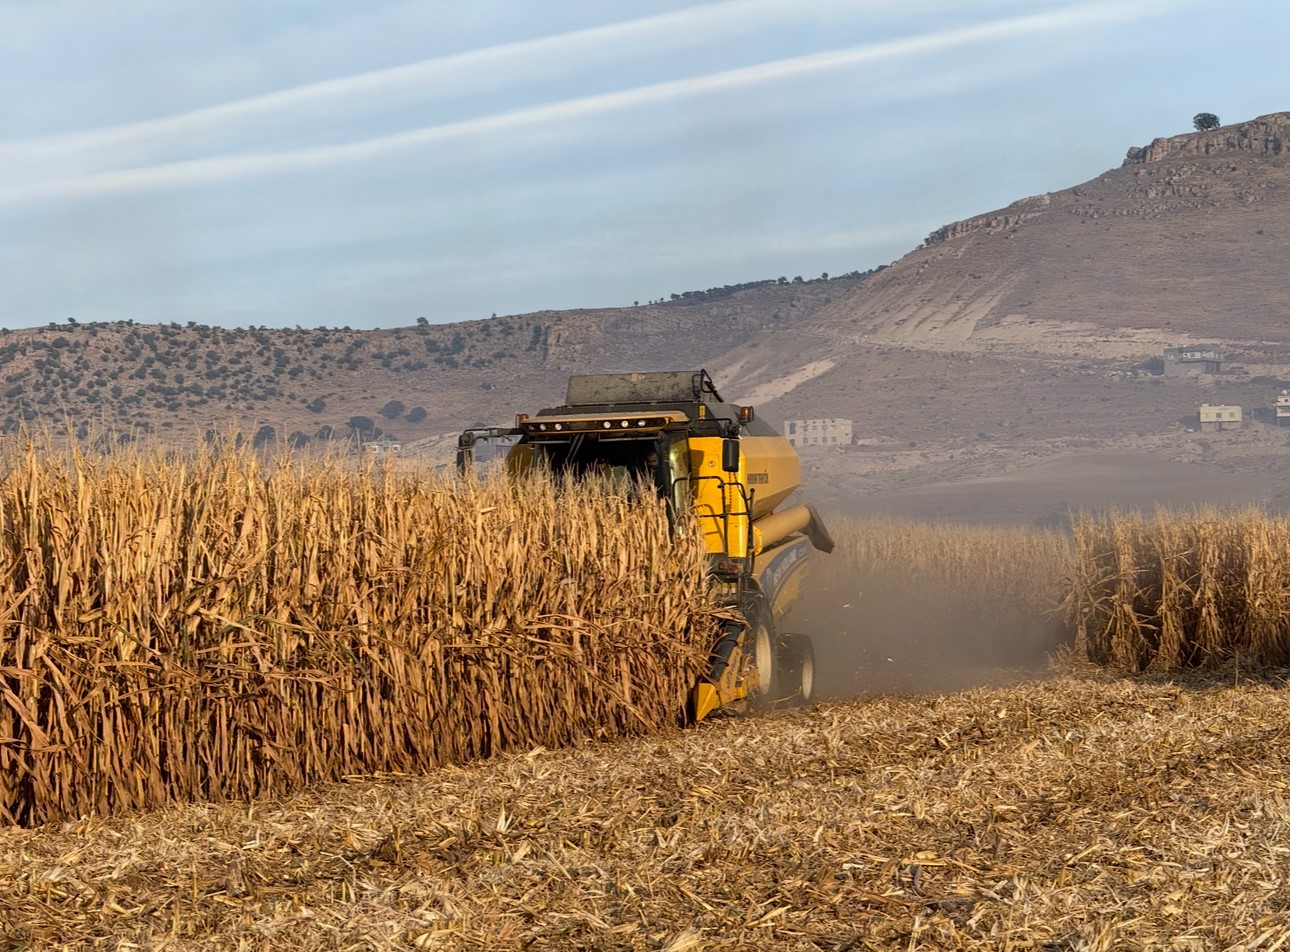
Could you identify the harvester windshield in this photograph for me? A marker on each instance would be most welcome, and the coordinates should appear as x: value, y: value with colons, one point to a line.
x: 582, y: 456
x: 659, y: 465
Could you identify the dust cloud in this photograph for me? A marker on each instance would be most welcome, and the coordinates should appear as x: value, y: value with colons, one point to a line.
x: 886, y: 633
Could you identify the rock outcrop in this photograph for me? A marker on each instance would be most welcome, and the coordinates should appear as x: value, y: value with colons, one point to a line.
x: 1261, y: 136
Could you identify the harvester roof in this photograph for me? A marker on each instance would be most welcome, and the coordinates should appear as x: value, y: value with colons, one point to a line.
x: 641, y: 389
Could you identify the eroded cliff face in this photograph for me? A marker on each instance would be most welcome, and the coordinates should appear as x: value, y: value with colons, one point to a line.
x: 1187, y: 237
x: 1015, y: 215
x: 1262, y: 136
x: 1177, y: 181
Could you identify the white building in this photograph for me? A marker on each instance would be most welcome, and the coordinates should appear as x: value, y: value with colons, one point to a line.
x: 834, y: 431
x: 1219, y: 418
x: 1283, y: 408
x: 379, y: 447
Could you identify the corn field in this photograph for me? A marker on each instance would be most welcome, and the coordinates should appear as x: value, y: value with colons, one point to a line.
x: 1175, y: 590
x: 1134, y: 591
x: 220, y: 626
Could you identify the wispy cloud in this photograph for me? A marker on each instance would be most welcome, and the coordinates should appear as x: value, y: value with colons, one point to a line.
x: 224, y: 168
x: 443, y: 76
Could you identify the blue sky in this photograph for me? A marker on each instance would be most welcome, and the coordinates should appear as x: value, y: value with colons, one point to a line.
x: 319, y: 163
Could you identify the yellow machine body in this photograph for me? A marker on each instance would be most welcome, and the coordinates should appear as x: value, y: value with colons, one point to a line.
x: 734, y: 472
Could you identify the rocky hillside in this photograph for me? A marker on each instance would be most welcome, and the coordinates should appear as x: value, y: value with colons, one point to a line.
x: 1048, y: 318
x: 1017, y: 324
x: 1188, y: 236
x: 178, y: 382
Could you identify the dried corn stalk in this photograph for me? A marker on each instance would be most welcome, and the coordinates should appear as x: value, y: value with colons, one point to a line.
x: 225, y: 627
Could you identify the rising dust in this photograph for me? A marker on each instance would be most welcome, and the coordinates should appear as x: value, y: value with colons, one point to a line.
x: 878, y: 632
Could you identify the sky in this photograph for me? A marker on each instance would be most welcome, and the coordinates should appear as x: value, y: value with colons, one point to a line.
x: 317, y: 163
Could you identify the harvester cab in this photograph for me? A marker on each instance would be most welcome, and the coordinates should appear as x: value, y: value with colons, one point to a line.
x: 672, y: 431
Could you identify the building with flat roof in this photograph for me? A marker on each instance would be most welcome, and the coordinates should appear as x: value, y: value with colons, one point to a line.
x: 834, y: 431
x: 1283, y: 408
x: 1214, y: 418
x: 1196, y: 359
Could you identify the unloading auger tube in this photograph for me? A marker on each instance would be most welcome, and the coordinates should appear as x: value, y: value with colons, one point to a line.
x: 673, y: 431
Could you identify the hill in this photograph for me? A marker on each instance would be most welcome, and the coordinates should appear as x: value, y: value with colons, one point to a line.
x: 176, y: 382
x: 1008, y: 339
x: 1188, y: 234
x: 1036, y: 331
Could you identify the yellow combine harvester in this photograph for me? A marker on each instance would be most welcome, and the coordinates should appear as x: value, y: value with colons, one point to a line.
x: 673, y: 430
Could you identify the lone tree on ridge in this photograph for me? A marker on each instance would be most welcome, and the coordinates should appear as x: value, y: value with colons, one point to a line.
x: 1204, y: 121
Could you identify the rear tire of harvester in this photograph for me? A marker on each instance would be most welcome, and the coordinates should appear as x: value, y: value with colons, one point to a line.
x: 797, y: 668
x: 761, y: 642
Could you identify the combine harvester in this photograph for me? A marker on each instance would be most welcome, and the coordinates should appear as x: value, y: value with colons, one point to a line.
x: 674, y: 432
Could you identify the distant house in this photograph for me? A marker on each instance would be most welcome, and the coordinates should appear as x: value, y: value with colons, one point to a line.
x: 1219, y: 418
x: 834, y: 431
x: 1197, y: 359
x: 1283, y: 408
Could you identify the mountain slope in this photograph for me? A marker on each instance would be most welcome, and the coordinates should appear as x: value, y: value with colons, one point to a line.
x: 410, y: 383
x: 1027, y: 323
x: 1189, y: 234
x: 1045, y: 311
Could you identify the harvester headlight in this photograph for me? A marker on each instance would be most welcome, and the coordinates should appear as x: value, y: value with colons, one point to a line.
x: 640, y: 422
x: 542, y: 427
x: 608, y: 424
x: 559, y: 426
x: 625, y: 423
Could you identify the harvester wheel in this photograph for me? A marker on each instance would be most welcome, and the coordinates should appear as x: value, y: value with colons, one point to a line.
x: 798, y: 670
x: 761, y: 692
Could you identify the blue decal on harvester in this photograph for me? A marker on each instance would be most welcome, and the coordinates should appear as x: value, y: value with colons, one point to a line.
x: 780, y: 567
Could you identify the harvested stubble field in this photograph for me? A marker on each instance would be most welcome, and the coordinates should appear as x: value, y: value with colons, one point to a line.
x: 1080, y: 811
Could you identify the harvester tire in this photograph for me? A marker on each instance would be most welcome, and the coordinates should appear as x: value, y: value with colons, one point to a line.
x: 761, y: 642
x: 797, y: 668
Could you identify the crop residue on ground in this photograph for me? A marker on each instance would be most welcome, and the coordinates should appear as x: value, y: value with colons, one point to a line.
x: 1074, y: 811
